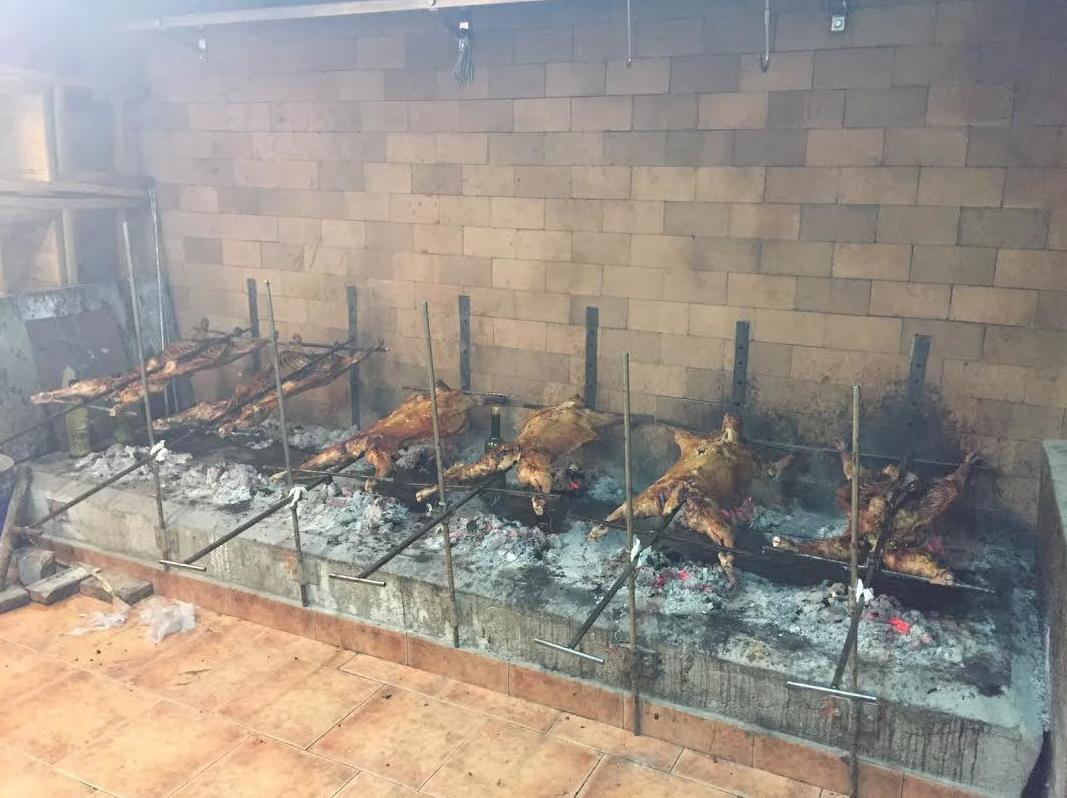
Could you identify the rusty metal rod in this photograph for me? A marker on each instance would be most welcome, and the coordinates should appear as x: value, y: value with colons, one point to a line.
x: 854, y: 523
x: 301, y: 577
x: 631, y: 581
x: 445, y: 535
x: 572, y: 646
x: 135, y: 302
x: 369, y: 477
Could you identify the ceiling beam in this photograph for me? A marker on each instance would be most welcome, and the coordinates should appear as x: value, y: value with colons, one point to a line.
x: 312, y: 11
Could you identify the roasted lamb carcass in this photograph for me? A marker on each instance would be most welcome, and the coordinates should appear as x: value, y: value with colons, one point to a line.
x: 409, y: 423
x: 216, y: 355
x: 710, y: 477
x: 547, y: 435
x: 317, y: 371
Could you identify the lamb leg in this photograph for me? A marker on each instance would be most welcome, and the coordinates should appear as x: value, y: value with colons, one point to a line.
x: 705, y: 516
x: 494, y: 461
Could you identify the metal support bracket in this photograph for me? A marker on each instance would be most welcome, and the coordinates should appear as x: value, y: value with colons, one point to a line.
x: 920, y: 356
x: 592, y: 324
x: 253, y: 318
x: 464, y: 343
x: 739, y: 386
x: 353, y: 373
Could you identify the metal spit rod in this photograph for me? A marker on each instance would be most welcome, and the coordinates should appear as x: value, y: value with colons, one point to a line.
x: 572, y: 646
x: 153, y: 210
x: 446, y: 538
x: 164, y: 543
x: 301, y: 577
x: 369, y: 477
x: 427, y: 527
x: 854, y: 523
x: 631, y: 581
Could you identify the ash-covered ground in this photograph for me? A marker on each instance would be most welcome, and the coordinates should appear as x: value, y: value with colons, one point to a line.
x: 941, y: 648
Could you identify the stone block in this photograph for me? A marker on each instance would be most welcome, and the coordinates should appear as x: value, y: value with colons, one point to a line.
x: 844, y: 223
x: 574, y: 79
x: 57, y: 587
x: 876, y: 261
x: 903, y: 224
x: 676, y: 183
x: 1029, y: 146
x: 897, y: 107
x: 730, y: 184
x: 1031, y: 269
x: 969, y: 105
x: 878, y: 185
x: 953, y: 265
x: 627, y: 149
x: 918, y: 300
x: 761, y: 291
x: 801, y: 184
x: 765, y: 221
x: 513, y: 149
x: 925, y: 146
x: 1005, y: 306
x: 601, y: 113
x: 641, y: 76
x: 808, y: 258
x: 963, y: 187
x: 12, y: 598
x: 730, y: 111
x: 845, y: 147
x: 699, y: 148
x: 573, y: 149
x: 102, y: 586
x: 705, y: 74
x: 32, y: 564
x: 806, y: 109
x: 787, y: 72
x: 860, y: 68
x: 1014, y: 228
x: 601, y: 182
x: 542, y: 114
x: 771, y: 148
x: 833, y: 295
x: 665, y: 112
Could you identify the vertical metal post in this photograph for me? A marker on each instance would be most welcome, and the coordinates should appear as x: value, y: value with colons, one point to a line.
x: 253, y: 318
x: 464, y: 342
x: 353, y: 374
x: 854, y: 516
x: 920, y: 354
x: 453, y: 612
x: 153, y: 211
x: 592, y: 323
x: 135, y: 304
x: 631, y: 581
x: 739, y: 387
x: 301, y: 578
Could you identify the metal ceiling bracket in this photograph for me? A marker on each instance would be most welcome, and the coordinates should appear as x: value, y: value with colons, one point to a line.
x: 838, y: 16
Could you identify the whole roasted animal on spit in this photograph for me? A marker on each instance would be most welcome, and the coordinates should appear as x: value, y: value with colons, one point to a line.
x: 548, y: 435
x: 214, y: 356
x: 906, y: 551
x: 711, y: 476
x: 167, y: 360
x: 410, y: 423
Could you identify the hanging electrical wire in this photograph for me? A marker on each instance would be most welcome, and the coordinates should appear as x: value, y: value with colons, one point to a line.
x: 765, y: 56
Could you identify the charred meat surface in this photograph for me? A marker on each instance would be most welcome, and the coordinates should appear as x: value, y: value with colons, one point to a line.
x: 711, y: 476
x: 210, y: 357
x: 547, y: 435
x: 411, y: 422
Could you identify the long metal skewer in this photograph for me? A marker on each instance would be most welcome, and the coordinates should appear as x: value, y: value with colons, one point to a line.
x: 153, y: 211
x: 453, y: 610
x: 572, y: 646
x: 301, y: 577
x: 162, y: 538
x: 631, y: 580
x: 854, y: 522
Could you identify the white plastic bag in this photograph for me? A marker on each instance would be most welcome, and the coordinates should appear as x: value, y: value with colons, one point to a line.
x: 164, y: 617
x: 101, y: 621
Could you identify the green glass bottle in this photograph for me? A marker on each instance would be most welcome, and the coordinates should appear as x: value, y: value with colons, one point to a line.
x: 494, y: 439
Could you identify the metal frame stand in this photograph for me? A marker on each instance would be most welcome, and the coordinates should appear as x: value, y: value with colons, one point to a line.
x: 353, y: 374
x: 572, y: 646
x: 162, y: 539
x: 253, y: 317
x: 301, y: 576
x: 631, y: 580
x: 739, y: 386
x: 464, y: 343
x: 592, y: 324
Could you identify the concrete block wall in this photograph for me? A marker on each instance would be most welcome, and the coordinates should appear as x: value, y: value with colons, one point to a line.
x: 907, y: 176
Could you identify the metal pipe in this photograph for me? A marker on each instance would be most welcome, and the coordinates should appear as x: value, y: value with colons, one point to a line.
x: 184, y: 565
x: 111, y: 480
x: 765, y: 56
x: 854, y: 523
x: 300, y: 576
x: 445, y: 535
x: 370, y: 477
x: 378, y: 564
x: 631, y: 581
x: 819, y: 688
x: 572, y: 646
x: 164, y: 544
x: 153, y: 209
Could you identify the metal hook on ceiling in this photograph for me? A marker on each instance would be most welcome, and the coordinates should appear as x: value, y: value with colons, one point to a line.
x: 765, y: 56
x: 629, y: 35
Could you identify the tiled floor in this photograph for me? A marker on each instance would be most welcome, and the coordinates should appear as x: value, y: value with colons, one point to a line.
x: 236, y: 710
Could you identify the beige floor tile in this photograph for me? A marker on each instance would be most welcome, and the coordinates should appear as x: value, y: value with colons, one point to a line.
x: 259, y: 767
x: 367, y: 785
x: 300, y: 710
x: 507, y: 760
x: 22, y: 667
x: 155, y: 753
x: 620, y: 742
x: 399, y: 734
x: 382, y: 670
x: 524, y: 713
x: 69, y: 714
x: 616, y: 778
x: 23, y: 777
x: 220, y: 666
x: 37, y: 626
x: 740, y: 779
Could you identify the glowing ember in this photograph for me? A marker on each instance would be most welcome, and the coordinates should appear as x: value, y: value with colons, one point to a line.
x: 899, y: 625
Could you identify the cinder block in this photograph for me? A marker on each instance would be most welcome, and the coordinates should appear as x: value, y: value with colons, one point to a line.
x: 833, y: 295
x: 601, y: 182
x: 526, y: 213
x: 524, y: 275
x: 534, y: 45
x: 601, y: 248
x: 852, y: 223
x: 662, y: 317
x: 730, y: 184
x: 705, y: 74
x: 918, y: 225
x: 552, y: 113
x: 765, y: 221
x: 935, y: 64
x: 276, y: 174
x: 771, y: 148
x: 575, y: 278
x: 917, y: 300
x: 1004, y: 227
x: 864, y: 333
x: 437, y: 239
x: 344, y: 234
x: 876, y: 261
x: 575, y: 79
x: 542, y: 181
x: 685, y: 285
x: 827, y: 365
x: 514, y: 149
x: 107, y: 584
x: 553, y: 245
x: 732, y: 111
x: 725, y: 254
x: 963, y: 187
x: 642, y: 76
x: 703, y: 148
x: 57, y: 587
x: 664, y: 252
x: 1036, y: 188
x: 635, y: 216
x: 490, y: 242
x: 787, y: 72
x: 947, y: 338
x: 806, y: 109
x: 953, y: 265
x: 383, y: 117
x: 845, y: 147
x: 665, y: 112
x: 969, y: 105
x: 808, y: 258
x: 516, y: 334
x: 860, y: 68
x: 626, y: 149
x: 790, y: 327
x: 801, y: 184
x: 437, y: 178
x: 693, y: 218
x: 898, y: 107
x: 761, y: 291
x: 494, y: 181
x: 676, y: 183
x: 413, y: 208
x: 387, y: 178
x: 577, y: 149
x: 574, y: 214
x: 1007, y: 306
x: 1028, y: 146
x: 1031, y: 269
x: 633, y: 282
x: 601, y: 113
x: 662, y: 37
x: 367, y: 206
x: 884, y: 185
x: 514, y: 81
